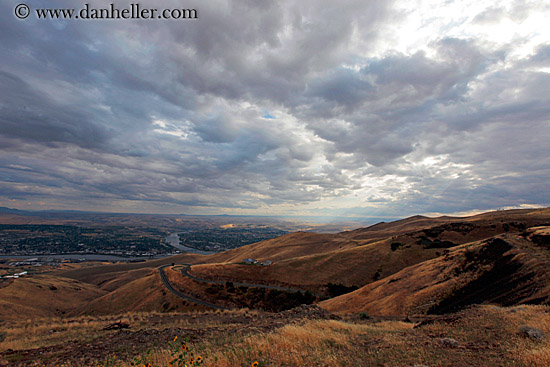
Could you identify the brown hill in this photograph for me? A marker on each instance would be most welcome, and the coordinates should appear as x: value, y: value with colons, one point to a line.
x: 383, y: 230
x: 146, y: 293
x: 286, y: 247
x: 364, y: 257
x: 44, y: 295
x: 101, y: 274
x: 505, y: 270
x: 356, y: 258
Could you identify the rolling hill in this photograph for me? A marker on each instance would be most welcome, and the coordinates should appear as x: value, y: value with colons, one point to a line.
x: 502, y: 270
x: 414, y: 265
x: 44, y: 296
x: 366, y: 255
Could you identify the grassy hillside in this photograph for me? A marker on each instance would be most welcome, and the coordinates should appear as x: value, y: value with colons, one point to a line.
x: 367, y: 257
x: 502, y: 270
x: 98, y: 274
x: 44, y: 295
x: 144, y: 294
x: 479, y: 336
x: 364, y: 258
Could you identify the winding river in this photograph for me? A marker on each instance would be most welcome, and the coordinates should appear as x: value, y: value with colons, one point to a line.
x: 174, y: 240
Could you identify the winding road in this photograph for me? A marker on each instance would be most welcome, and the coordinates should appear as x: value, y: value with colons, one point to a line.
x: 168, y: 286
x: 185, y: 272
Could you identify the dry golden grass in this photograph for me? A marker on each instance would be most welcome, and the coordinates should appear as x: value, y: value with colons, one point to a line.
x: 482, y: 326
x: 42, y: 332
x: 417, y: 288
x: 44, y: 295
x: 486, y: 335
x: 536, y: 357
x: 531, y: 353
x: 50, y: 331
x: 146, y: 294
x: 489, y: 336
x: 314, y: 343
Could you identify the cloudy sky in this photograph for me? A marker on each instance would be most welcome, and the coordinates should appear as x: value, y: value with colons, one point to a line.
x: 348, y: 108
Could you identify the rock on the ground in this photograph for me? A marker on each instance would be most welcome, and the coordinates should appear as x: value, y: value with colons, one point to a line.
x: 117, y: 326
x: 531, y: 332
x: 448, y: 342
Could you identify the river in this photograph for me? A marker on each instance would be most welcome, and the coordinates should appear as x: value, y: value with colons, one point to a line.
x: 174, y: 240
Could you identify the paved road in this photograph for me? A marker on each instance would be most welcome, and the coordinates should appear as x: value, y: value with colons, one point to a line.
x: 167, y: 284
x: 185, y: 272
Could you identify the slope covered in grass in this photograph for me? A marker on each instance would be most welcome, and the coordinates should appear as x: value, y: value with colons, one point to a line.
x: 502, y: 270
x: 44, y: 295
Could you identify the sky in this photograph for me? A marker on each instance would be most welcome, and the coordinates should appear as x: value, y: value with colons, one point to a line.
x: 330, y: 108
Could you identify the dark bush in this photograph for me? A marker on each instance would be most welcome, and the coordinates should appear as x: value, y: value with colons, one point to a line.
x: 335, y: 290
x: 396, y: 245
x: 364, y: 316
x: 230, y: 287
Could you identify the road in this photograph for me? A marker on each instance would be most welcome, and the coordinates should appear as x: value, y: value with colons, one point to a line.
x: 168, y: 286
x: 185, y: 272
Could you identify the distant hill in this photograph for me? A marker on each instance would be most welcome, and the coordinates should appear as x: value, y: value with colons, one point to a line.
x: 3, y: 209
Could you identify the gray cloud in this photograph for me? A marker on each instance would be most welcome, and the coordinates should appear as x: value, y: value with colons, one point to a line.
x: 168, y: 115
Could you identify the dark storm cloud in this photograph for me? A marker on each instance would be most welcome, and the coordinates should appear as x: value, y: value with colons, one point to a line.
x: 31, y: 116
x: 150, y: 115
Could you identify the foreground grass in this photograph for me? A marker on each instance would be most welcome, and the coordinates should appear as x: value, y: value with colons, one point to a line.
x: 312, y: 343
x: 39, y: 333
x: 482, y: 335
x: 485, y: 336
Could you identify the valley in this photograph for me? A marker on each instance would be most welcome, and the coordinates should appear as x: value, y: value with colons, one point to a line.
x: 415, y: 280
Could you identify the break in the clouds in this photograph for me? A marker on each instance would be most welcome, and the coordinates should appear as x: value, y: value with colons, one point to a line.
x: 363, y: 108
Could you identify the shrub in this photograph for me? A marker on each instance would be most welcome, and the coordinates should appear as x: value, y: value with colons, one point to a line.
x: 335, y: 290
x: 396, y: 245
